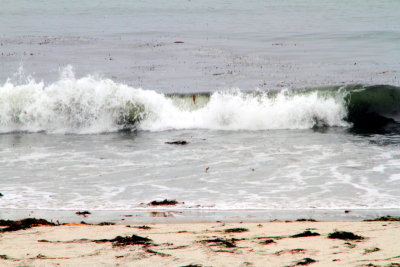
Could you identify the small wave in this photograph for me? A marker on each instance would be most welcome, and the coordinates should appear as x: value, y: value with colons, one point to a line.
x: 95, y: 105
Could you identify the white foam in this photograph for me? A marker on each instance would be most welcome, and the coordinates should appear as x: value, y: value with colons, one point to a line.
x: 93, y: 105
x: 235, y: 110
x: 70, y: 105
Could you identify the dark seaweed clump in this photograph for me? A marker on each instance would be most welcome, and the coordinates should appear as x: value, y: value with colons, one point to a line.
x: 83, y: 213
x: 305, y: 220
x: 106, y: 223
x: 304, y: 262
x: 143, y: 227
x: 181, y: 142
x: 267, y: 241
x: 219, y: 241
x: 6, y: 222
x: 236, y: 230
x: 385, y: 219
x: 344, y: 235
x: 165, y: 202
x: 22, y: 224
x: 305, y: 234
x: 127, y: 240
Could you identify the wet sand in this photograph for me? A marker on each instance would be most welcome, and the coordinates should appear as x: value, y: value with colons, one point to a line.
x: 203, y: 244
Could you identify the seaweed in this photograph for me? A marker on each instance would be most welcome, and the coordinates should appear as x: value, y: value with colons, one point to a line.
x: 304, y: 262
x: 344, y: 235
x: 23, y: 224
x: 305, y: 234
x: 127, y: 240
x: 157, y: 253
x: 6, y: 222
x: 106, y: 223
x: 192, y: 265
x: 267, y: 241
x: 165, y: 202
x: 227, y: 243
x: 387, y: 218
x: 143, y: 227
x: 180, y: 142
x: 83, y: 213
x: 305, y: 220
x: 236, y: 230
x: 371, y: 250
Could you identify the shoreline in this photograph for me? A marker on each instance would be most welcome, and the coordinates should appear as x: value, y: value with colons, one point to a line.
x: 205, y: 244
x: 176, y: 215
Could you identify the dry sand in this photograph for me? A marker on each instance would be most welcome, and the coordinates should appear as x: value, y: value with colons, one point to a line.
x: 183, y: 244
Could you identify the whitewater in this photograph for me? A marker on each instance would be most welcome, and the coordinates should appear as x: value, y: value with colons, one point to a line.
x: 95, y: 105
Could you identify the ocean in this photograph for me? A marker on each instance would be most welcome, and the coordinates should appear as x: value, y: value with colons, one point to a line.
x: 284, y: 106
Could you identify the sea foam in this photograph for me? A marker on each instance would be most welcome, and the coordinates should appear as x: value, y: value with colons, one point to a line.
x: 95, y: 105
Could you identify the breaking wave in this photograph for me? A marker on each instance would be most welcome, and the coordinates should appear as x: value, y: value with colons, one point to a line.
x: 95, y: 105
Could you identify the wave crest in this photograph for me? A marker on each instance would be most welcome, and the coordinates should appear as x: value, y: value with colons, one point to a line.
x: 236, y: 110
x: 95, y: 105
x: 70, y: 105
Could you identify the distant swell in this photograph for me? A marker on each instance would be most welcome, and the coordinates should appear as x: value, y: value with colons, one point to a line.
x: 95, y: 105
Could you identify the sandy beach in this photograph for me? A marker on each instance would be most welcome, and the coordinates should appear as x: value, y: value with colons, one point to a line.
x: 374, y: 243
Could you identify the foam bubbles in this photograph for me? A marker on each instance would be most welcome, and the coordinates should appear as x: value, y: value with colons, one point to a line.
x: 235, y: 110
x: 70, y: 105
x: 94, y: 105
